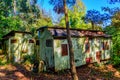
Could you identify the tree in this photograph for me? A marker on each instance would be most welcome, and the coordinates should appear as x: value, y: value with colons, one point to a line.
x: 114, y: 1
x: 22, y: 15
x: 114, y: 30
x: 115, y: 33
x: 9, y: 23
x: 61, y: 7
x: 114, y: 12
x: 76, y: 14
x: 5, y: 7
x: 96, y: 18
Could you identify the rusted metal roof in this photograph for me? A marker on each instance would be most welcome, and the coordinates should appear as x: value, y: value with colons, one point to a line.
x: 61, y: 32
x: 77, y: 33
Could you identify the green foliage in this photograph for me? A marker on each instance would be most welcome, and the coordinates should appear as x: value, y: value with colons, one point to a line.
x: 116, y: 20
x: 76, y: 15
x: 23, y: 15
x: 30, y: 58
x: 114, y: 30
x: 9, y: 23
x: 115, y: 59
x: 3, y: 60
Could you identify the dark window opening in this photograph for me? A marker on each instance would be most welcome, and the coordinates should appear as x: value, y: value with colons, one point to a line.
x: 49, y: 43
x: 37, y: 42
x: 87, y: 45
x: 31, y: 41
x: 14, y: 41
x: 98, y: 55
x: 105, y: 46
x: 64, y: 49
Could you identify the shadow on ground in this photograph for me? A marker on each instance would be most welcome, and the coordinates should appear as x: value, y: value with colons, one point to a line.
x: 19, y: 72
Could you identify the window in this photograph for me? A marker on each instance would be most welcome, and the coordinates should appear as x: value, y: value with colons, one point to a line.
x: 14, y: 41
x: 37, y: 42
x: 64, y: 49
x: 49, y: 43
x: 31, y: 41
x: 105, y: 46
x: 87, y: 45
x: 98, y: 55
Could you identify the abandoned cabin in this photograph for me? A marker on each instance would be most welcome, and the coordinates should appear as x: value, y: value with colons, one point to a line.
x: 16, y: 44
x: 89, y: 46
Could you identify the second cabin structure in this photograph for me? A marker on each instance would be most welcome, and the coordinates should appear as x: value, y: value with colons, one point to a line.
x: 17, y: 44
x: 89, y: 46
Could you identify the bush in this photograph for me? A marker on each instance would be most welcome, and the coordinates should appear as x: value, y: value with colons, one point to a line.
x: 115, y: 33
x: 115, y: 59
x: 31, y: 58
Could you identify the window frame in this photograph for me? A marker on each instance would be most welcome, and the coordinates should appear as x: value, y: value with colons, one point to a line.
x: 49, y: 43
x: 64, y: 49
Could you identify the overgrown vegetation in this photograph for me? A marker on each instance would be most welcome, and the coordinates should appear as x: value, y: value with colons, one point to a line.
x: 21, y: 15
x: 25, y: 15
x: 114, y: 30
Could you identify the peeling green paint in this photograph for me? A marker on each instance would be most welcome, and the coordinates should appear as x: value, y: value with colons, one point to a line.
x: 14, y: 50
x: 52, y: 56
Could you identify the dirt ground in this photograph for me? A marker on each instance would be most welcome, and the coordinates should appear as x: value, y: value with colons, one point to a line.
x: 90, y: 72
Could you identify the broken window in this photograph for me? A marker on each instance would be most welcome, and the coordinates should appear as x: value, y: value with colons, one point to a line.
x: 64, y: 49
x: 49, y: 42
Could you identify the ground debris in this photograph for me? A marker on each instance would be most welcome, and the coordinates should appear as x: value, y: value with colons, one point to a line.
x: 19, y: 72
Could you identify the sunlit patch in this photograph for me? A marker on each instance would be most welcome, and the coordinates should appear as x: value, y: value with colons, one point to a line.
x: 2, y: 67
x: 117, y: 74
x: 10, y: 68
x: 2, y: 74
x: 18, y: 74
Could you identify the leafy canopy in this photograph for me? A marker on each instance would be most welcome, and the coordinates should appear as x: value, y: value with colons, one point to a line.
x: 58, y: 5
x: 96, y: 17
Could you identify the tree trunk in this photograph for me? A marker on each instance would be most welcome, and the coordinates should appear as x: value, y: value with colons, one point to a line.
x: 71, y: 53
x: 92, y: 23
x: 14, y: 7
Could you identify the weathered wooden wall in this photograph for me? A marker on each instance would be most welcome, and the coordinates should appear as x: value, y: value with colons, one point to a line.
x: 86, y: 49
x: 46, y: 53
x: 19, y: 45
x: 80, y: 55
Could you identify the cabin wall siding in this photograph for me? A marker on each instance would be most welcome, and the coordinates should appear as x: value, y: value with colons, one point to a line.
x: 61, y: 62
x: 14, y: 52
x: 46, y: 53
x: 87, y: 46
x: 80, y: 56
